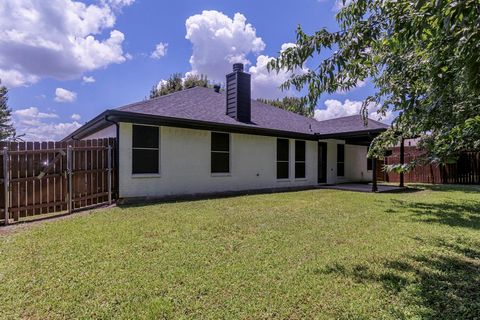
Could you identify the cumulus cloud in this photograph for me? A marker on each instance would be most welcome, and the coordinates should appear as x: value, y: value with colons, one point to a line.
x: 64, y: 95
x: 89, y: 79
x: 118, y: 4
x: 266, y: 84
x: 160, y: 51
x: 57, y: 38
x: 76, y: 117
x: 37, y: 125
x: 33, y: 113
x: 335, y: 109
x: 48, y: 131
x: 219, y: 41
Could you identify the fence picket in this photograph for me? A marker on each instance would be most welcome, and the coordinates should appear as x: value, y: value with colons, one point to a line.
x: 465, y: 171
x: 38, y: 180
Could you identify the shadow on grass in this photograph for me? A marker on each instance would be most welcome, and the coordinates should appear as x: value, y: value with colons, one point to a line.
x: 448, y: 187
x: 444, y: 284
x: 466, y: 214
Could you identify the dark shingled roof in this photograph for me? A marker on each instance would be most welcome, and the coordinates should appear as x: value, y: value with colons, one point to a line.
x: 204, y: 104
x: 353, y: 123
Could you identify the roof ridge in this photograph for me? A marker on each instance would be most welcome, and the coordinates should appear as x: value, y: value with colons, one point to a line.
x: 157, y: 98
x: 283, y: 110
x: 352, y: 116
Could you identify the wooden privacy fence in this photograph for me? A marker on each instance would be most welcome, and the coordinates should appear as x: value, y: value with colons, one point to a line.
x: 465, y: 171
x: 40, y: 178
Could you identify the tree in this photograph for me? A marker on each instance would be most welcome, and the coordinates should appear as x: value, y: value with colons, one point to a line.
x: 176, y: 83
x: 195, y: 80
x: 292, y: 104
x: 422, y: 57
x: 173, y: 84
x: 7, y: 130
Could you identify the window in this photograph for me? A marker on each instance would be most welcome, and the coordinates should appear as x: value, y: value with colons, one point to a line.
x: 299, y: 159
x: 145, y: 149
x: 282, y: 158
x: 220, y: 148
x: 340, y: 160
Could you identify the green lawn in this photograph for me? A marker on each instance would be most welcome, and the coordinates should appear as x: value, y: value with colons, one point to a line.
x: 311, y: 254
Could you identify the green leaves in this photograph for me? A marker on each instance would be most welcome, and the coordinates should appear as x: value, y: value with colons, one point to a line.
x: 423, y: 58
x: 177, y: 83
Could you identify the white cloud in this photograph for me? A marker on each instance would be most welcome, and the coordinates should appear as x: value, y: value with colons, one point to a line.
x: 33, y: 113
x: 118, y: 4
x: 266, y: 84
x: 57, y: 38
x: 37, y: 125
x: 219, y: 41
x: 76, y: 117
x: 336, y: 109
x: 162, y: 82
x: 160, y: 51
x: 89, y: 79
x: 48, y: 131
x: 64, y: 95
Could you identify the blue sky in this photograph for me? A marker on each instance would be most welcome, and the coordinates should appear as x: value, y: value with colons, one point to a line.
x: 66, y: 61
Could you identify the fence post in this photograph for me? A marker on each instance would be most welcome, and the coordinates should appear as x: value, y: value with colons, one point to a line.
x: 109, y: 157
x: 6, y: 182
x: 69, y: 178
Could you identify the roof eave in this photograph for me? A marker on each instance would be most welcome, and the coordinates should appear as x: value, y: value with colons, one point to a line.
x: 351, y: 134
x: 98, y: 123
x: 107, y: 117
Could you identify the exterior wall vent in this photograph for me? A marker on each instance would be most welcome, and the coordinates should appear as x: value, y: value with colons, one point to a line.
x: 238, y: 94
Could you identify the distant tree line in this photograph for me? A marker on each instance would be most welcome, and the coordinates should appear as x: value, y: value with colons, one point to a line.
x: 177, y: 83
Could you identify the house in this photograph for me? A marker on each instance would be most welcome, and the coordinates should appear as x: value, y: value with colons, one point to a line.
x: 202, y: 141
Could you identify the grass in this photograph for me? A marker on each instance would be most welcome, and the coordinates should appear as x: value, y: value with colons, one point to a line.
x: 312, y: 254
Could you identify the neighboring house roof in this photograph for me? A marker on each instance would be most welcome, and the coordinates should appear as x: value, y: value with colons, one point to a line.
x: 204, y: 108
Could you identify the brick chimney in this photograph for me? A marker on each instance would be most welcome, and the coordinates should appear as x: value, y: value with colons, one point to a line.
x: 238, y: 94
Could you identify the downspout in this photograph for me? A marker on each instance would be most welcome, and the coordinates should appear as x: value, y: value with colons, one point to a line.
x: 117, y: 153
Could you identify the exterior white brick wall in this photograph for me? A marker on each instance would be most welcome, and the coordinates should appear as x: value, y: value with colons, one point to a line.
x: 185, y: 165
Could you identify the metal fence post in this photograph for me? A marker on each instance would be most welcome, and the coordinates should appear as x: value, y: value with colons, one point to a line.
x: 6, y: 182
x: 109, y: 157
x: 69, y: 178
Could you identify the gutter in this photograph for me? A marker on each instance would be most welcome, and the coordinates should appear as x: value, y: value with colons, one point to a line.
x: 97, y: 123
